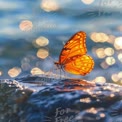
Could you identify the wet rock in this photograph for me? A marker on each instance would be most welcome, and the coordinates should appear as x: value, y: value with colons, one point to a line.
x: 73, y: 100
x: 12, y: 98
x: 60, y: 100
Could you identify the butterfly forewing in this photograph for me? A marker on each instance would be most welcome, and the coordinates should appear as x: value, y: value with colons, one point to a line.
x: 75, y: 46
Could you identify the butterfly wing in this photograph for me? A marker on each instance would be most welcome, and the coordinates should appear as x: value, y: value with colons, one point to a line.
x: 75, y: 46
x: 73, y: 56
x: 80, y: 65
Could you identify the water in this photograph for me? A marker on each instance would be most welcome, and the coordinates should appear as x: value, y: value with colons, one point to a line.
x: 57, y: 23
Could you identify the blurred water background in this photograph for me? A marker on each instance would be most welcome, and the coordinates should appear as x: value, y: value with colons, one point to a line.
x: 33, y: 33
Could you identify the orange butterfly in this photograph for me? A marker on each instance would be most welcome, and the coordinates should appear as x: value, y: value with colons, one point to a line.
x: 73, y: 58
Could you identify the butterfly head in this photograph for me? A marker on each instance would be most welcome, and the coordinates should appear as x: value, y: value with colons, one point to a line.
x: 58, y: 65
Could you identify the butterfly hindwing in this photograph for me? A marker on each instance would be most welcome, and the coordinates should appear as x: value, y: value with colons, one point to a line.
x: 80, y: 65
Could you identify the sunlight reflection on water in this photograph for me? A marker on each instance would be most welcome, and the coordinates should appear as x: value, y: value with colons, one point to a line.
x: 29, y: 35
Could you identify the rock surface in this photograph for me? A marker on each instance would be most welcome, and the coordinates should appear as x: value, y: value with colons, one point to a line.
x: 56, y: 100
x: 13, y: 97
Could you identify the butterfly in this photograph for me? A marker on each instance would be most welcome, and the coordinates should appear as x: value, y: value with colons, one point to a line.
x: 73, y: 57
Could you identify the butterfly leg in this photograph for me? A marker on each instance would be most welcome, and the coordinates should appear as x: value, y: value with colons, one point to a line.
x: 53, y: 70
x: 64, y: 76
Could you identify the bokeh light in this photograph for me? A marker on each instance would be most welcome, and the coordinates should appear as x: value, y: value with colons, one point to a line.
x: 100, y: 53
x: 87, y: 1
x: 49, y: 5
x: 14, y: 72
x: 36, y: 71
x: 120, y: 82
x: 118, y: 43
x: 100, y: 80
x: 109, y: 51
x: 93, y: 36
x: 92, y: 110
x: 115, y: 77
x: 110, y: 60
x: 111, y: 39
x: 85, y: 100
x: 42, y: 53
x: 102, y: 115
x: 26, y: 25
x: 120, y: 57
x: 99, y: 37
x: 1, y: 73
x: 41, y: 41
x: 112, y: 95
x: 120, y: 74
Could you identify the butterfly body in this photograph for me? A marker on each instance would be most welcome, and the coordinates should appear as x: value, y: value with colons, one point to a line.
x: 73, y: 58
